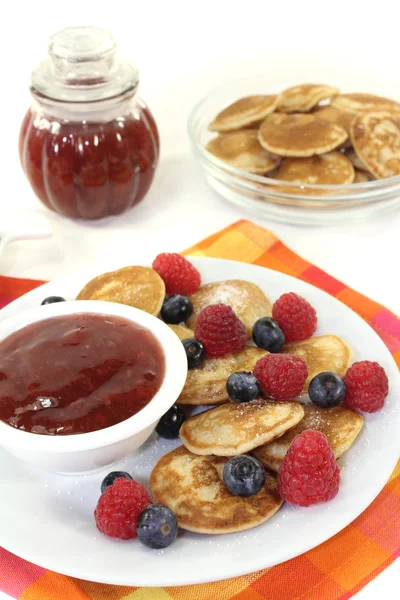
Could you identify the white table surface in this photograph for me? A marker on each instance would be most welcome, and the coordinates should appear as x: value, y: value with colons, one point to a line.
x: 184, y: 49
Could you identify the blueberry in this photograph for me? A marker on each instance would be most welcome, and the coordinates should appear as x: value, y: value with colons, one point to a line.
x: 157, y: 526
x: 268, y: 335
x: 169, y: 425
x: 195, y: 352
x: 176, y: 309
x: 326, y: 390
x: 111, y: 477
x: 242, y: 386
x: 52, y: 299
x: 244, y: 475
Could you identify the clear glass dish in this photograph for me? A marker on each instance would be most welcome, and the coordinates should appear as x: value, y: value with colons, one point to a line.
x: 309, y: 204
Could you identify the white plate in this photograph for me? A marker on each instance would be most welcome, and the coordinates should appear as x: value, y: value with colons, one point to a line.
x: 48, y: 519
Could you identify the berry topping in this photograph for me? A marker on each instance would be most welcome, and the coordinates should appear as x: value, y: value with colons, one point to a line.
x: 118, y: 509
x: 244, y: 475
x: 157, y: 526
x: 169, y: 425
x: 219, y: 329
x: 52, y: 299
x: 242, y: 387
x: 308, y: 473
x: 178, y: 274
x: 326, y: 390
x: 281, y: 376
x: 195, y: 352
x: 367, y: 386
x: 295, y: 316
x: 111, y: 477
x: 176, y: 309
x: 268, y: 335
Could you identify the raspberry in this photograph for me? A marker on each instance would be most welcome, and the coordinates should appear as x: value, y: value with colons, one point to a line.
x: 119, y: 507
x: 309, y: 473
x: 367, y: 386
x: 178, y: 274
x: 295, y: 316
x: 281, y: 376
x: 219, y: 330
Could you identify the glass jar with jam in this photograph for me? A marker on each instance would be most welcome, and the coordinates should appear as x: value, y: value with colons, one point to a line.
x: 88, y: 145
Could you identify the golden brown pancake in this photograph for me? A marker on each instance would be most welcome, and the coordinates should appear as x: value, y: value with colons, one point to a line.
x: 302, y: 98
x: 141, y: 287
x: 247, y: 300
x: 361, y: 176
x: 207, y: 384
x: 355, y: 160
x: 334, y: 115
x: 376, y: 139
x: 340, y: 425
x: 235, y: 428
x: 245, y: 112
x: 299, y: 135
x: 242, y: 150
x: 193, y: 487
x: 322, y: 353
x: 333, y: 169
x: 356, y: 103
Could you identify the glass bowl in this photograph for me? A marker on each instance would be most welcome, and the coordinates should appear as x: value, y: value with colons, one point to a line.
x: 283, y: 201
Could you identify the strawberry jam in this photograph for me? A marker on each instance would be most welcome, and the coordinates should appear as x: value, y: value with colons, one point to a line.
x: 89, y: 145
x: 77, y: 373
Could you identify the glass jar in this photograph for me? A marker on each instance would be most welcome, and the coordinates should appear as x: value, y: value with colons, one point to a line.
x: 88, y: 145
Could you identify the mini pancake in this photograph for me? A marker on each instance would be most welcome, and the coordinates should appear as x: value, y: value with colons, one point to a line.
x: 299, y: 135
x: 140, y: 287
x: 356, y: 103
x: 361, y: 176
x: 334, y: 115
x: 245, y: 112
x: 302, y: 98
x: 340, y: 425
x: 182, y: 332
x: 242, y: 150
x: 193, y: 487
x: 333, y: 168
x: 207, y: 384
x: 247, y: 300
x: 355, y: 160
x: 376, y: 139
x: 322, y: 353
x: 235, y: 428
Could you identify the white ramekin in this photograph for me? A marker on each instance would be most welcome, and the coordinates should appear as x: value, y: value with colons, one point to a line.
x: 92, y: 451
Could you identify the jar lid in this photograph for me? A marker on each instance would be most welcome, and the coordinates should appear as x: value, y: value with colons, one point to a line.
x: 83, y: 66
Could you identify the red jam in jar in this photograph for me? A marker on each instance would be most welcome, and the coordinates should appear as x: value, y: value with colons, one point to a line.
x: 88, y: 145
x: 77, y: 373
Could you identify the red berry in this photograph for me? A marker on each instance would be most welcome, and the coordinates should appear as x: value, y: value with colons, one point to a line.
x: 309, y: 473
x: 295, y: 316
x: 367, y: 386
x: 219, y: 330
x: 178, y: 274
x: 119, y: 507
x: 281, y: 376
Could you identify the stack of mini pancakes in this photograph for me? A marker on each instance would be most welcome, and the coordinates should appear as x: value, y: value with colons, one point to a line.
x: 310, y: 134
x: 189, y: 479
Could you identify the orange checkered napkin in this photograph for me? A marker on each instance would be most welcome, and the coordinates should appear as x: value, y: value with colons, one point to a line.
x: 336, y: 569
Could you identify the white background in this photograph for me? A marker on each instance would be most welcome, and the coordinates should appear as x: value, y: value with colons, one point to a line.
x: 184, y: 49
